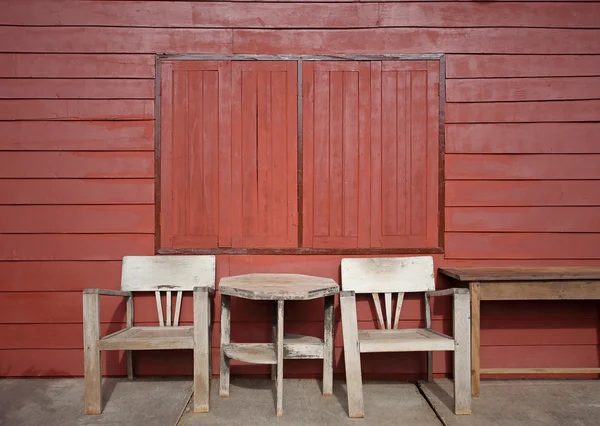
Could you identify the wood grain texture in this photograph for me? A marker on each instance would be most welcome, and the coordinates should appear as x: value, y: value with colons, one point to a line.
x: 297, y: 15
x: 523, y: 193
x: 74, y: 246
x: 61, y: 88
x: 522, y: 219
x: 557, y: 273
x: 522, y: 89
x: 80, y: 65
x: 76, y: 191
x: 481, y: 66
x: 78, y: 109
x: 522, y: 246
x: 278, y: 286
x: 70, y: 164
x: 522, y: 138
x: 77, y: 219
x: 77, y: 135
x: 516, y: 112
x: 525, y: 167
x: 419, y: 40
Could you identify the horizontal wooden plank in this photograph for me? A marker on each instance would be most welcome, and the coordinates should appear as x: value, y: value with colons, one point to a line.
x: 522, y: 246
x: 508, y: 166
x: 577, y: 356
x: 523, y: 193
x: 522, y: 89
x: 63, y: 109
x: 522, y: 219
x: 74, y: 247
x: 514, y: 112
x: 298, y: 15
x: 114, y: 40
x: 67, y: 164
x: 77, y: 191
x: 523, y: 138
x: 477, y: 66
x: 59, y: 276
x: 415, y: 40
x: 77, y: 219
x: 54, y: 65
x: 61, y: 88
x: 77, y: 135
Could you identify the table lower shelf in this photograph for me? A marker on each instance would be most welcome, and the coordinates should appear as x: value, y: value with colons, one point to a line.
x: 295, y: 346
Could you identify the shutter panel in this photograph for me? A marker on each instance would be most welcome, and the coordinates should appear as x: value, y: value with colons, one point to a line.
x: 336, y: 104
x: 264, y: 153
x: 195, y: 159
x: 405, y: 154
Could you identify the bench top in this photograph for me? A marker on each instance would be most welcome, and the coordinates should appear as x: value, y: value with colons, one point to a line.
x: 523, y: 273
x: 278, y: 286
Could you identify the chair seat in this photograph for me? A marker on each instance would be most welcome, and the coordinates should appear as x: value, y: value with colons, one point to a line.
x: 404, y: 340
x: 146, y: 338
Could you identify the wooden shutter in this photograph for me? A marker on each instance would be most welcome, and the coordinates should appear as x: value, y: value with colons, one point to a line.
x: 195, y: 154
x: 404, y: 154
x: 370, y: 154
x: 336, y: 127
x: 264, y: 154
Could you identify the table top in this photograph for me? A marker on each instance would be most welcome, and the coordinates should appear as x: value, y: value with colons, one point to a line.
x: 523, y: 273
x: 278, y: 286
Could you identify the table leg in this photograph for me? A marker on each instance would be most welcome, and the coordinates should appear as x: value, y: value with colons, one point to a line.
x: 225, y: 340
x: 328, y: 347
x: 475, y: 337
x: 279, y: 358
x: 274, y: 338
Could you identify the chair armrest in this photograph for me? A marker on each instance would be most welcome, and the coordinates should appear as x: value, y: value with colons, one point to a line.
x: 209, y: 290
x: 448, y: 292
x: 105, y: 292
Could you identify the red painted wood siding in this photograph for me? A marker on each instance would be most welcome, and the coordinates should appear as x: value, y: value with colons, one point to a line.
x: 77, y: 78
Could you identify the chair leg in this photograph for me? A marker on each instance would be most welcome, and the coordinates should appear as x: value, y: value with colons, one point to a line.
x: 328, y: 347
x: 201, y: 351
x: 462, y: 355
x: 129, y: 355
x: 352, y: 355
x: 430, y: 366
x: 225, y: 340
x: 91, y: 356
x: 274, y: 338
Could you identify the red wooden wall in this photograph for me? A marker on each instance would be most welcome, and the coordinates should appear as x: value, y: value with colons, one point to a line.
x: 77, y: 163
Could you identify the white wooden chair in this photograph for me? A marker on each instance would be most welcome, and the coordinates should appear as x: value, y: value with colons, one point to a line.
x: 157, y: 274
x: 401, y: 275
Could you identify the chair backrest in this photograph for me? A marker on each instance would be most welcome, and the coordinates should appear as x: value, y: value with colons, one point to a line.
x: 167, y: 273
x: 388, y: 275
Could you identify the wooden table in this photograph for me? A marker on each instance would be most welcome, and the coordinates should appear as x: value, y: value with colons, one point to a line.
x: 279, y: 288
x: 522, y: 283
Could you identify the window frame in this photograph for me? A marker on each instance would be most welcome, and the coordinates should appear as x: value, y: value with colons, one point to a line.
x: 299, y: 60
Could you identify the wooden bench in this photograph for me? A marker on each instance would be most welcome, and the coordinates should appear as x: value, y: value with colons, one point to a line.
x: 153, y: 274
x: 522, y: 283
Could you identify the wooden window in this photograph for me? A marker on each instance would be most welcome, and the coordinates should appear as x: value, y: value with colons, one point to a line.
x: 228, y: 154
x: 229, y: 145
x: 370, y: 154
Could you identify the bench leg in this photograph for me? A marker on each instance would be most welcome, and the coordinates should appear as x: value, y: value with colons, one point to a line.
x: 352, y: 355
x: 201, y: 352
x: 279, y: 347
x: 225, y: 340
x: 475, y: 338
x: 462, y: 356
x: 328, y: 347
x: 91, y: 356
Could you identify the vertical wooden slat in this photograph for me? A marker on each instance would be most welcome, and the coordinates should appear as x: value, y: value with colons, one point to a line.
x: 376, y: 156
x: 308, y: 148
x: 399, y: 300
x: 278, y: 167
x: 350, y: 152
x: 292, y: 153
x: 336, y: 166
x: 201, y: 351
x: 402, y: 184
x: 225, y: 340
x: 389, y: 154
x: 364, y: 155
x: 435, y: 145
x: 328, y: 345
x: 321, y: 154
x: 225, y: 155
x: 209, y: 213
x: 129, y: 323
x: 236, y: 156
x: 166, y: 155
x: 168, y: 300
x: 263, y: 152
x: 378, y: 309
x: 418, y: 153
x: 388, y: 310
x: 159, y: 310
x: 177, y: 308
x: 181, y: 165
x: 249, y: 153
x: 196, y: 215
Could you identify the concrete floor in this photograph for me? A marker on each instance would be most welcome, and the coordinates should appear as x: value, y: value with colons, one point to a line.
x: 148, y: 402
